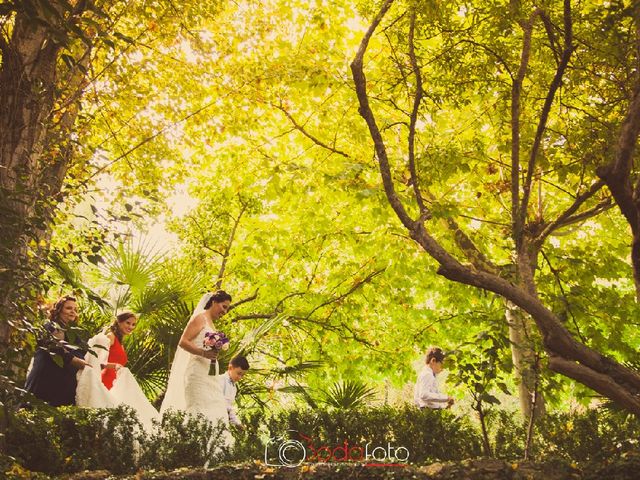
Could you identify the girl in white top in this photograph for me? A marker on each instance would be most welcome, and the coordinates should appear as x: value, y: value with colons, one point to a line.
x: 426, y: 392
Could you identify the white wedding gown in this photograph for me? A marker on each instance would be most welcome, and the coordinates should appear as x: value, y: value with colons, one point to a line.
x: 192, y: 390
x: 202, y: 393
x: 91, y: 392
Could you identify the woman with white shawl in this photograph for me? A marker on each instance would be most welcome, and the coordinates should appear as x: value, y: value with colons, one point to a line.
x: 109, y: 383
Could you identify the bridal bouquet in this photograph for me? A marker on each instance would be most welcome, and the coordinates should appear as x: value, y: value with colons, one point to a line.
x: 215, y: 340
x: 218, y: 341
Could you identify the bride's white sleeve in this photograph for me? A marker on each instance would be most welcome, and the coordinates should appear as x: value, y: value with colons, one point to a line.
x: 91, y: 392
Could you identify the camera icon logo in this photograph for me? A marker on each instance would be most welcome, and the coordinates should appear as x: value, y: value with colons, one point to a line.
x: 284, y: 452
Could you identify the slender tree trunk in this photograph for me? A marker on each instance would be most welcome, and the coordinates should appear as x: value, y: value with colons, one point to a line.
x: 486, y: 444
x: 529, y: 442
x: 523, y: 353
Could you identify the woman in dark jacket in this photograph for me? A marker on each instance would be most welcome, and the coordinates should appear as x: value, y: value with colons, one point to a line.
x: 52, y: 379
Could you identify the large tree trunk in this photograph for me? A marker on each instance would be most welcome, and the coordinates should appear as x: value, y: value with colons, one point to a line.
x: 35, y: 150
x: 27, y: 86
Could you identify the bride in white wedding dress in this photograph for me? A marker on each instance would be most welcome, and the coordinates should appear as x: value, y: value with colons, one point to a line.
x: 190, y: 387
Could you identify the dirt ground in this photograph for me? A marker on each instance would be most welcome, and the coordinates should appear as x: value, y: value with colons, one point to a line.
x: 627, y: 468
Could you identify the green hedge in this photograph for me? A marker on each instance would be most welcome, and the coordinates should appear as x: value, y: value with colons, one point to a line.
x: 596, y: 435
x: 68, y: 439
x: 427, y: 435
x: 72, y: 439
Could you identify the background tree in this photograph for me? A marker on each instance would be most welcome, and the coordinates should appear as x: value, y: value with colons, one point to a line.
x: 548, y: 193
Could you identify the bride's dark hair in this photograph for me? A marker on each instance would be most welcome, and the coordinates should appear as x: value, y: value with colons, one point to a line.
x: 218, y: 296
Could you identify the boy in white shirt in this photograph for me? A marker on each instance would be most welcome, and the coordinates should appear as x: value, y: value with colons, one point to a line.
x: 236, y: 369
x: 426, y: 392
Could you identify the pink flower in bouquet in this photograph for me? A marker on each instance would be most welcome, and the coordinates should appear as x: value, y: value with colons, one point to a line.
x: 215, y: 340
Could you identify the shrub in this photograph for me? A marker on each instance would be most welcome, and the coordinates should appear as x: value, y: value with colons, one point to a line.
x: 100, y: 439
x: 33, y: 439
x: 425, y: 434
x: 70, y: 439
x: 435, y: 434
x: 508, y: 434
x: 249, y: 442
x: 594, y: 435
x: 180, y: 440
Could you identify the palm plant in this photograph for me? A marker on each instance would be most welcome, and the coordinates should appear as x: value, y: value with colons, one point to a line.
x: 262, y: 382
x: 348, y: 394
x: 146, y: 359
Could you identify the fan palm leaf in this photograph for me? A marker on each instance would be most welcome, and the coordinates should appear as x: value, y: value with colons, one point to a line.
x: 155, y: 297
x: 132, y: 265
x: 348, y: 394
x: 147, y: 363
x: 298, y: 369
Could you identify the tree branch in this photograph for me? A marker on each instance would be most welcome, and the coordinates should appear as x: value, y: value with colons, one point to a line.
x: 253, y: 316
x: 365, y: 111
x: 548, y: 26
x: 342, y: 296
x: 565, y: 300
x: 302, y: 130
x: 500, y: 60
x: 150, y: 138
x: 227, y: 248
x: 565, y: 216
x: 516, y: 91
x: 4, y: 45
x: 616, y: 174
x: 245, y: 300
x: 202, y: 234
x: 417, y: 99
x: 544, y: 115
x: 599, y: 382
x: 471, y: 251
x: 602, y: 206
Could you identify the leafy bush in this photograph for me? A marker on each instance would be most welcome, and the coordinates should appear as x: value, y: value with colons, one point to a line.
x: 181, y: 440
x: 34, y: 440
x: 71, y: 439
x: 508, y: 434
x: 67, y: 439
x: 249, y: 442
x: 435, y: 434
x: 426, y: 434
x: 100, y: 439
x: 594, y: 435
